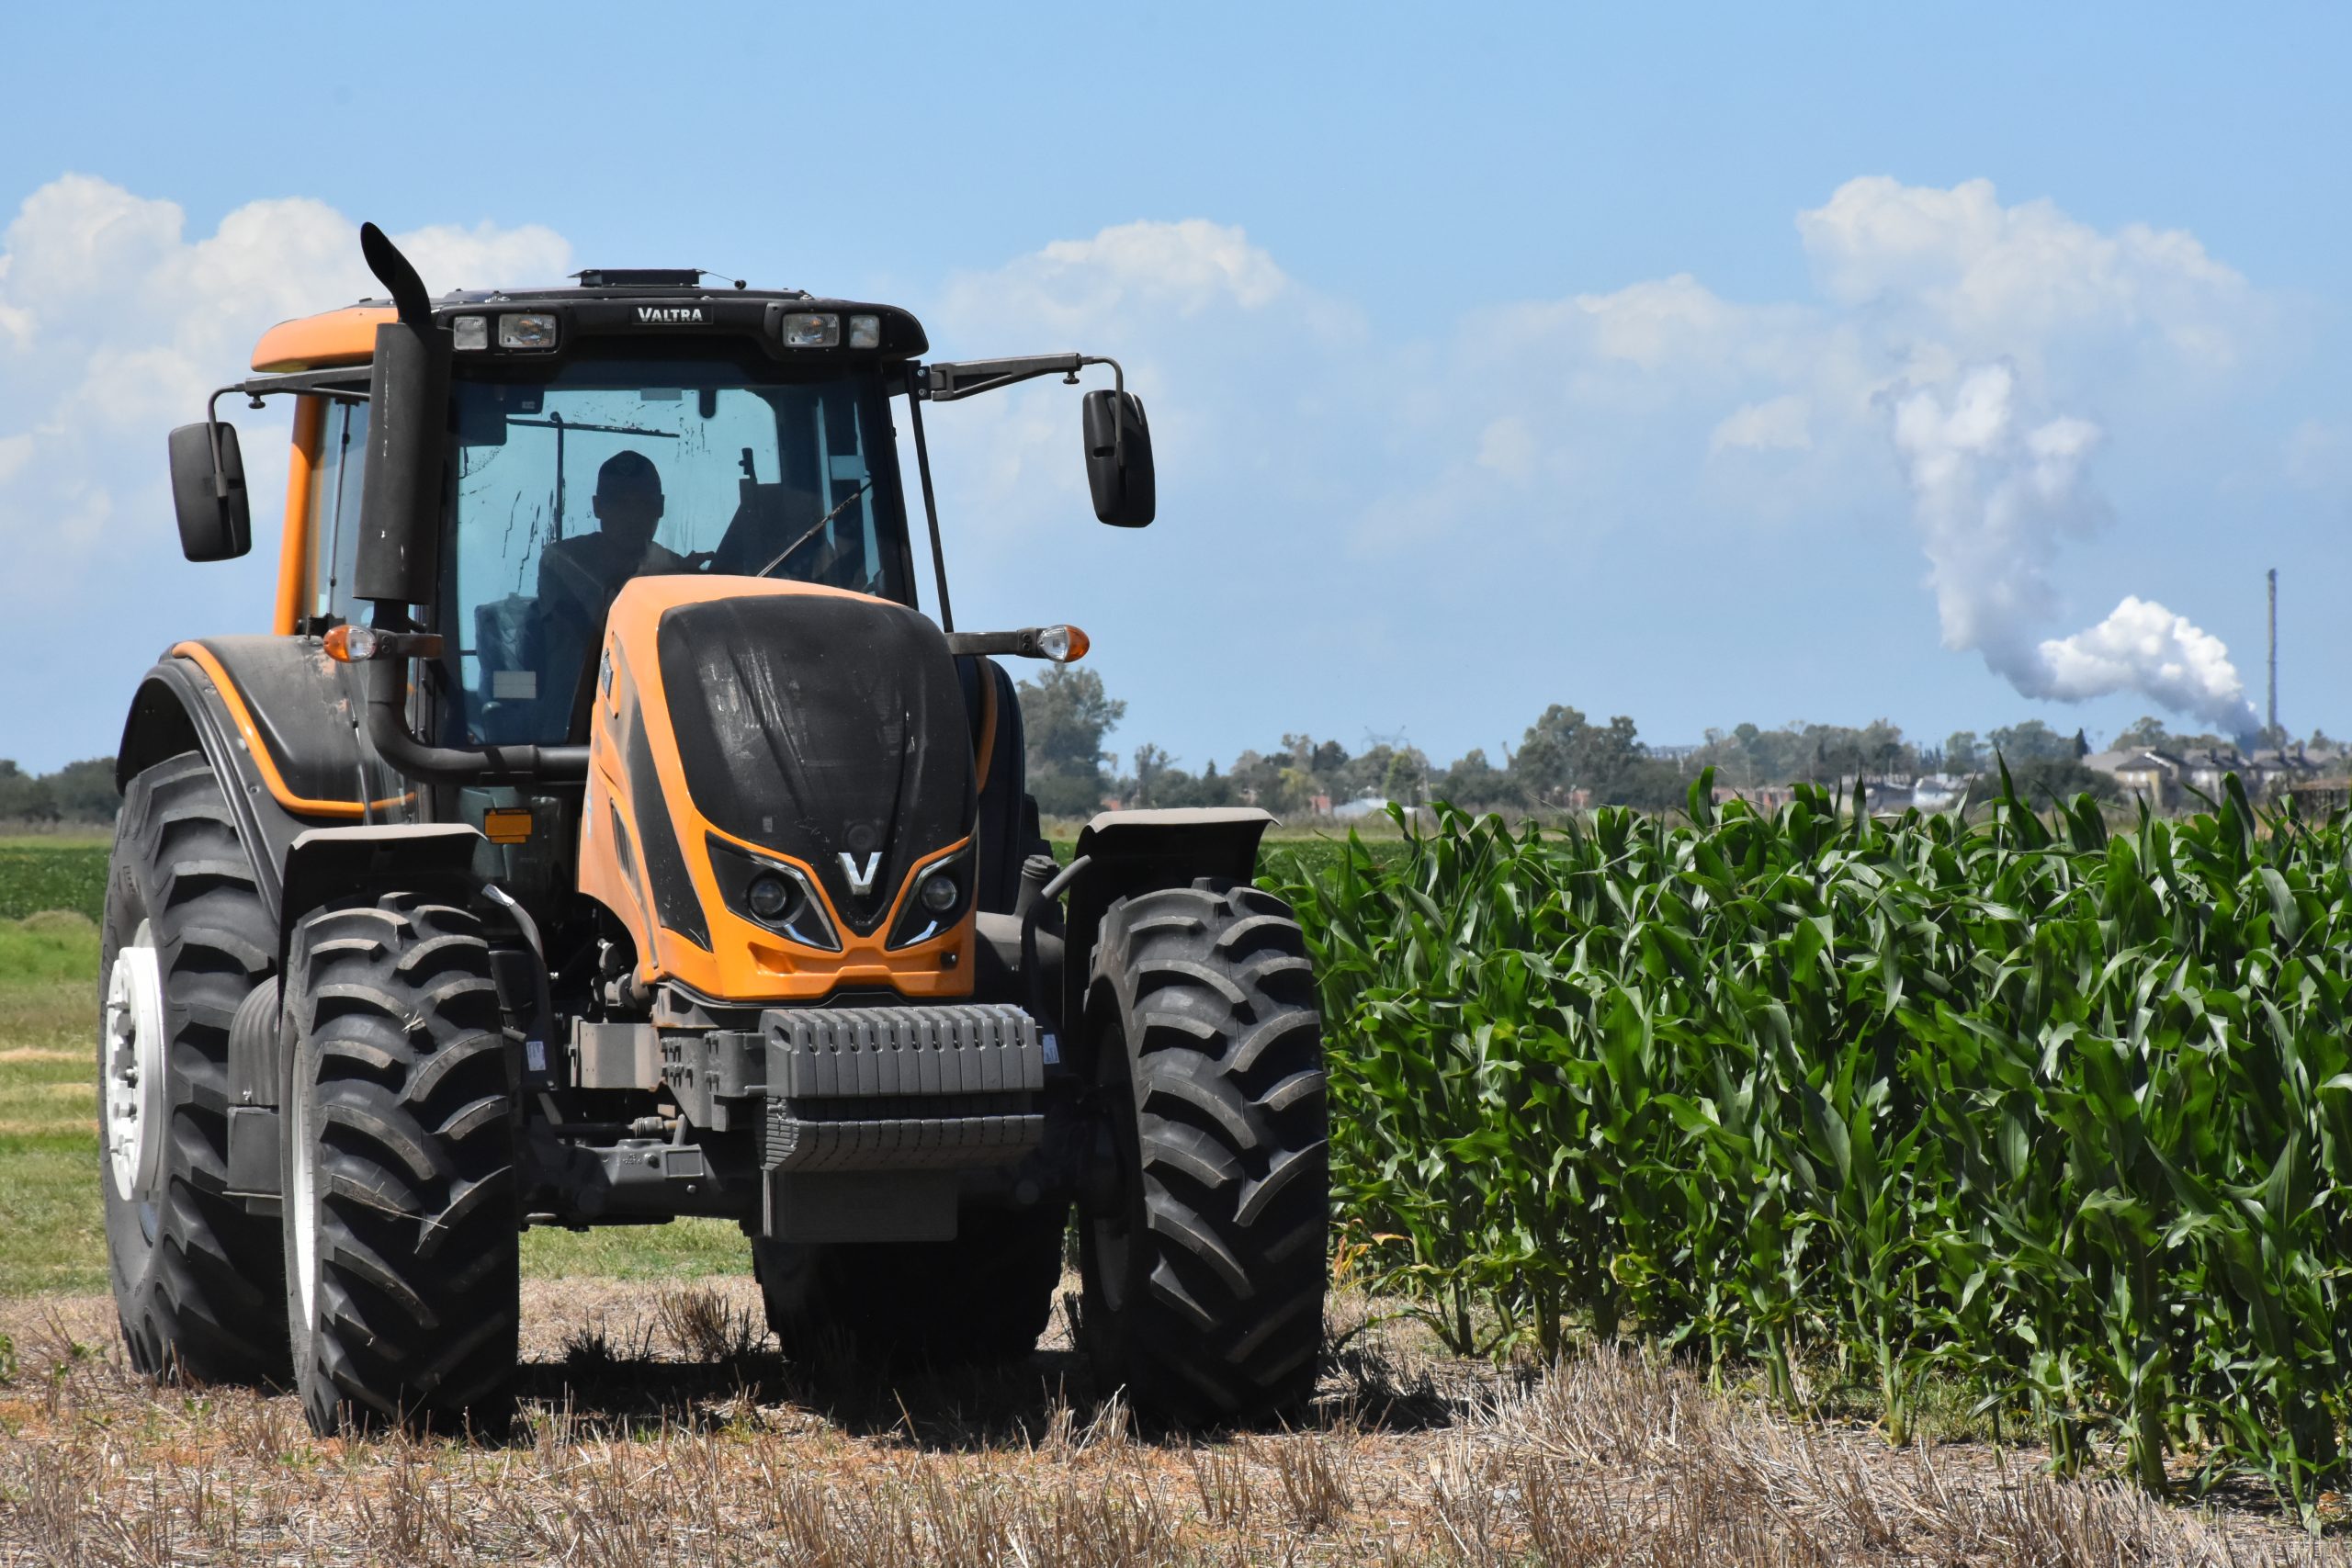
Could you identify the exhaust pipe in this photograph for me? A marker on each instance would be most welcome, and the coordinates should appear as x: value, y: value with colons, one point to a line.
x: 400, y: 529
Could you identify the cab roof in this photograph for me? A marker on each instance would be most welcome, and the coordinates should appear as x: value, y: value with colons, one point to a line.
x: 606, y: 303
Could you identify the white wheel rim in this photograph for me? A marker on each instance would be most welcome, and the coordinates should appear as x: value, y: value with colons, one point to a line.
x: 132, y: 1100
x: 302, y: 1195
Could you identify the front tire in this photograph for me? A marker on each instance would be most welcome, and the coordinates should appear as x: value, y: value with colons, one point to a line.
x: 402, y: 1245
x: 187, y: 939
x: 1204, y: 1271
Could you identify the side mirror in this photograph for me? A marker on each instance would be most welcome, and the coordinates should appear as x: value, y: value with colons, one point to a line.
x: 1118, y: 459
x: 209, y: 495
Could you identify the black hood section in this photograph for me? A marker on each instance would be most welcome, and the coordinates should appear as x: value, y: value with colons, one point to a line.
x: 822, y: 727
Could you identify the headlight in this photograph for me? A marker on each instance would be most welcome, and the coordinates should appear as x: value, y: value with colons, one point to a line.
x: 776, y: 895
x: 812, y: 329
x: 526, y: 331
x: 470, y: 334
x: 865, y: 331
x: 771, y: 898
x: 940, y: 897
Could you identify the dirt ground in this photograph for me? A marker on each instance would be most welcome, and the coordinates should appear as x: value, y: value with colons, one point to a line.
x: 657, y: 1428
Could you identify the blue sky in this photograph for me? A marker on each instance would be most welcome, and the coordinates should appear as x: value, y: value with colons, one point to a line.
x: 1822, y: 363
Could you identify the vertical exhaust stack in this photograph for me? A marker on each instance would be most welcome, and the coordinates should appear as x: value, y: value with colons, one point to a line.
x: 407, y: 402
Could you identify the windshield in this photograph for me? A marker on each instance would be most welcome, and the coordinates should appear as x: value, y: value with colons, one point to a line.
x: 616, y: 468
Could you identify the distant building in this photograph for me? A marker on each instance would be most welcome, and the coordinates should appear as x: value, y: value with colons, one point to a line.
x: 2170, y: 780
x: 2154, y: 776
x: 1361, y: 806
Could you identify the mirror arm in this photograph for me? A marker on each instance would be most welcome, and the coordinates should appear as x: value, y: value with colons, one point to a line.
x: 948, y: 380
x: 311, y: 383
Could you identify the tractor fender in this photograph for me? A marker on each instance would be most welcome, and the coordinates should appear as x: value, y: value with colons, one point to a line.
x: 1126, y: 853
x: 178, y: 709
x: 327, y: 865
x: 276, y: 722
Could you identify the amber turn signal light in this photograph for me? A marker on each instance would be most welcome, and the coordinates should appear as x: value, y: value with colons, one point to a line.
x: 1063, y: 645
x: 357, y: 645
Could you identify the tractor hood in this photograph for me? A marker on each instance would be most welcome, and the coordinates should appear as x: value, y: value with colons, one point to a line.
x: 828, y: 728
x: 748, y: 728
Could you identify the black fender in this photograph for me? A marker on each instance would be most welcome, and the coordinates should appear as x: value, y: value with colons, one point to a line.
x: 1121, y: 853
x: 279, y: 724
x: 178, y: 709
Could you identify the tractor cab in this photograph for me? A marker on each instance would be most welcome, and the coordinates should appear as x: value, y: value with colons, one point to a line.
x: 635, y: 425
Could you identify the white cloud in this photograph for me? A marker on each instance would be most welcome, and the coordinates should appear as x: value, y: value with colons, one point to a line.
x: 1998, y: 280
x: 1181, y: 269
x: 117, y: 326
x: 1184, y: 306
x: 1782, y: 424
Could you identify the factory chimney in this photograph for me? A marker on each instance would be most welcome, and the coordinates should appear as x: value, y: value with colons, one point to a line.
x: 2274, y: 652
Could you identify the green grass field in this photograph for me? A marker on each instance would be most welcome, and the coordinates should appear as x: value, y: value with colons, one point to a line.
x: 49, y: 1235
x: 38, y: 874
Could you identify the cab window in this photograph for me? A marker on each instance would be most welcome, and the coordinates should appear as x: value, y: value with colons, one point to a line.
x: 565, y: 489
x: 334, y: 511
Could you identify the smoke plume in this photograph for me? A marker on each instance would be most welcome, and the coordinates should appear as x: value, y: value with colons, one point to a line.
x: 1995, y: 494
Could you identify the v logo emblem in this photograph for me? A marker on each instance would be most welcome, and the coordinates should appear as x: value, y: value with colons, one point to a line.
x: 860, y: 881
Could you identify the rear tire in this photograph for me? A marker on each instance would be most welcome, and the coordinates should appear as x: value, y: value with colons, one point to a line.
x: 983, y: 1298
x: 187, y: 939
x: 402, y: 1243
x: 1204, y: 1272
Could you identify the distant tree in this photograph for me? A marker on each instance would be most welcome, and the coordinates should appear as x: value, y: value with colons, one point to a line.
x: 2146, y: 733
x: 1961, y: 754
x: 1177, y: 787
x: 2039, y: 780
x: 1152, y: 766
x: 1471, y: 783
x: 23, y: 797
x: 1563, y: 753
x: 2031, y: 741
x: 1067, y: 716
x: 1407, y: 771
x: 85, y: 792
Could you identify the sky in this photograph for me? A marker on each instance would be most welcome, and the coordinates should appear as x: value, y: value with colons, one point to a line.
x: 1954, y: 365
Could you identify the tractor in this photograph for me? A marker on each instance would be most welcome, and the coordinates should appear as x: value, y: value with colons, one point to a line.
x: 604, y: 833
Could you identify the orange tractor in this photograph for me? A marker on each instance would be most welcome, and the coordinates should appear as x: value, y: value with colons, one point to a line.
x: 603, y: 834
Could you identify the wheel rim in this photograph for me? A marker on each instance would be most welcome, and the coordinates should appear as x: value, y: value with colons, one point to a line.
x: 133, y: 1100
x: 302, y: 1202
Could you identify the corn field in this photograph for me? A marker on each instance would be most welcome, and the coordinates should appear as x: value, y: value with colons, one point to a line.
x: 2057, y: 1112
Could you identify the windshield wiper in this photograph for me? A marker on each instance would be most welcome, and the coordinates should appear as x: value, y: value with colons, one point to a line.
x: 818, y: 528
